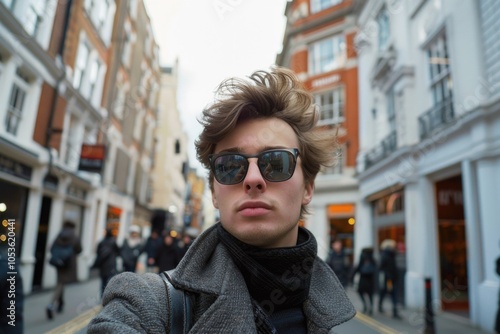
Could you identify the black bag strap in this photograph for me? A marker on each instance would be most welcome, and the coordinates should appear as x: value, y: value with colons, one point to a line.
x: 180, y: 306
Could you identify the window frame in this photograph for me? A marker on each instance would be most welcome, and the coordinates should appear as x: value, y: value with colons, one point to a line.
x: 336, y: 108
x: 334, y: 59
x: 320, y: 5
x: 14, y: 115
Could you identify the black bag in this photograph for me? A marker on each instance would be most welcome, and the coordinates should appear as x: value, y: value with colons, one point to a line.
x: 367, y: 267
x: 181, y: 312
x: 61, y: 255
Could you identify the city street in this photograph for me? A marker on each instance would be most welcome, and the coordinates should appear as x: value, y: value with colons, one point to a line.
x: 82, y: 303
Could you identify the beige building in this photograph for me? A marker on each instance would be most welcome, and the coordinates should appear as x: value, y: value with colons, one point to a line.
x: 169, y: 172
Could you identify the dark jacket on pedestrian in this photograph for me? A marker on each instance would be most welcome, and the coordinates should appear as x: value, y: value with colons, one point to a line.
x: 167, y: 255
x: 222, y: 302
x: 366, y: 269
x: 68, y: 237
x: 337, y: 261
x: 107, y: 252
x: 130, y: 254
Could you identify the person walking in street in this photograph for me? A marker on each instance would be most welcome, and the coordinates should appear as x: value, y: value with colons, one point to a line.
x: 337, y: 260
x: 64, y: 251
x: 366, y: 269
x: 184, y: 245
x: 256, y: 270
x: 390, y: 276
x: 167, y: 255
x: 107, y: 253
x: 153, y: 242
x: 131, y: 249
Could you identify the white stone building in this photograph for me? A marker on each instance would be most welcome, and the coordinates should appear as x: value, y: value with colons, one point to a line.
x: 429, y: 160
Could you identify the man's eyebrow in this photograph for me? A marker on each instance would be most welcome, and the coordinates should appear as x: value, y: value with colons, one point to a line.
x: 239, y: 150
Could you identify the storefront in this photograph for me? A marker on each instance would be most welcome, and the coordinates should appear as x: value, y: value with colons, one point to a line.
x: 389, y: 223
x: 452, y: 245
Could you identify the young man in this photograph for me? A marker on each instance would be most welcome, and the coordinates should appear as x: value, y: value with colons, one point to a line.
x: 256, y: 271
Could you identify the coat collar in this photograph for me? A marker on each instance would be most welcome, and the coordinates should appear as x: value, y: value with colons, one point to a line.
x: 208, y: 268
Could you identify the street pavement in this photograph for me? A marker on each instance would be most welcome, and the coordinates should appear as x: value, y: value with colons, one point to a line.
x: 83, y: 302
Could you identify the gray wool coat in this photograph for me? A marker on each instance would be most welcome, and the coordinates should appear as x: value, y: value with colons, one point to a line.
x: 138, y: 303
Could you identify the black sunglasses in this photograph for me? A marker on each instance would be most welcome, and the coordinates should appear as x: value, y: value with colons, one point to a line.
x: 275, y: 165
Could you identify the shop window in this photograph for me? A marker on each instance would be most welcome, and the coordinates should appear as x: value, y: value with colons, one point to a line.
x: 389, y: 204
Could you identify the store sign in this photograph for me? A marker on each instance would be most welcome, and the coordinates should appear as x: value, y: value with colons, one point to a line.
x: 15, y: 168
x: 449, y: 199
x: 92, y: 158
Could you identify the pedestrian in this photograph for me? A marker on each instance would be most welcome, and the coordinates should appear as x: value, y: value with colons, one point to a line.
x: 338, y: 261
x: 131, y: 249
x: 390, y: 276
x: 184, y: 245
x: 63, y: 256
x: 151, y: 248
x: 107, y: 253
x: 11, y: 282
x: 497, y: 322
x: 366, y: 269
x: 256, y: 270
x: 167, y: 256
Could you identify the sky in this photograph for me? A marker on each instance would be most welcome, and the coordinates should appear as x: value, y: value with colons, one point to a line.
x: 214, y: 40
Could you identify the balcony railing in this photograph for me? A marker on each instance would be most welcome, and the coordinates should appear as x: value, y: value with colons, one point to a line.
x: 388, y: 145
x: 439, y: 115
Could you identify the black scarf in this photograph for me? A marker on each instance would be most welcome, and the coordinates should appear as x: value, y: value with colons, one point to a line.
x: 277, y: 278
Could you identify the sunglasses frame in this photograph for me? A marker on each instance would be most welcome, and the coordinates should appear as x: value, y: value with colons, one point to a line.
x: 293, y: 151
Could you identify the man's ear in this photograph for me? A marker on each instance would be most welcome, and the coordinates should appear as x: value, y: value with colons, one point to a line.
x: 214, y: 201
x: 308, y: 193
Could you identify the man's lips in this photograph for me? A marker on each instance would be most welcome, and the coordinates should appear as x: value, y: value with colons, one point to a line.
x: 250, y: 209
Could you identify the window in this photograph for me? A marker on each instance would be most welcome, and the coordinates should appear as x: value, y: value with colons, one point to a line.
x: 93, y: 75
x: 338, y: 167
x: 440, y: 75
x: 127, y: 45
x: 383, y: 28
x: 319, y: 5
x: 391, y: 110
x: 327, y: 55
x: 72, y: 154
x: 34, y: 16
x: 120, y: 102
x: 80, y: 65
x: 331, y: 106
x: 88, y: 4
x: 102, y: 13
x: 139, y: 117
x: 8, y: 3
x: 16, y: 102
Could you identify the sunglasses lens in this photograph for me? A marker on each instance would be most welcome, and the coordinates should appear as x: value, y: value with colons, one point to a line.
x: 230, y: 169
x: 277, y: 166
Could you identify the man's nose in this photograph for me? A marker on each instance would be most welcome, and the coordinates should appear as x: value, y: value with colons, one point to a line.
x: 254, y: 178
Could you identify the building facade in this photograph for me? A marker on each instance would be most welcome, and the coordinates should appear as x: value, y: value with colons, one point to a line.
x: 171, y: 161
x: 318, y: 47
x: 79, y: 86
x: 429, y: 159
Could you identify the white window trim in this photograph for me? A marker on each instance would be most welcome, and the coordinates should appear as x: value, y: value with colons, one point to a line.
x: 339, y: 56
